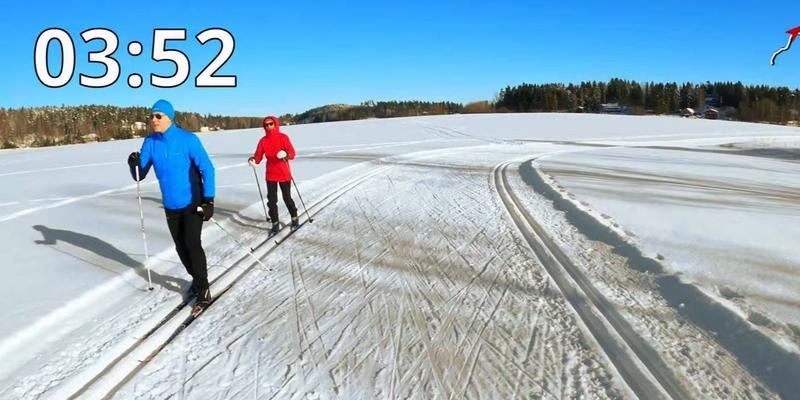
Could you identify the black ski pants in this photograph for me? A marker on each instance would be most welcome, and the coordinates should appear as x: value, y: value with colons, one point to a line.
x: 185, y: 227
x: 272, y: 199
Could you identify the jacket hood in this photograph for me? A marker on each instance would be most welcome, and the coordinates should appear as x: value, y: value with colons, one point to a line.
x: 275, y: 128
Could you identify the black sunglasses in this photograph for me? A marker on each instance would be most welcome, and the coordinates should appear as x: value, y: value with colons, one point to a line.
x: 270, y: 124
x: 158, y: 116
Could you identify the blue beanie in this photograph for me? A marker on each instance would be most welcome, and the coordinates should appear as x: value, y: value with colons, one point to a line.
x: 164, y: 107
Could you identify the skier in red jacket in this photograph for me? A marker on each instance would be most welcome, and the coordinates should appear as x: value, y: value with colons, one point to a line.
x: 276, y: 147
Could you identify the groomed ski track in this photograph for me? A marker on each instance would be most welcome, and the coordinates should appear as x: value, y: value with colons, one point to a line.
x: 430, y: 295
x: 428, y: 276
x: 640, y: 366
x: 141, y: 350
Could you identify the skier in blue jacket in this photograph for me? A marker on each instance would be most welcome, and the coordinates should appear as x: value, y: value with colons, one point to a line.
x: 186, y: 178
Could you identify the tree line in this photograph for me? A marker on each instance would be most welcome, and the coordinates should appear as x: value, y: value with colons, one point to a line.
x: 48, y: 126
x: 735, y: 101
x: 754, y: 103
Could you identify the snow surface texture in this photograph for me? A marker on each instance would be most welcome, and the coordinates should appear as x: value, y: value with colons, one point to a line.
x: 729, y: 223
x: 415, y: 283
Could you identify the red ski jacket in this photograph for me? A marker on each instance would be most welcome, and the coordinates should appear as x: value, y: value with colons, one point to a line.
x: 274, y: 141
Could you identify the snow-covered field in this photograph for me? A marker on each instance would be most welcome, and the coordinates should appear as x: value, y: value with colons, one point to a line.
x: 727, y: 222
x: 440, y: 264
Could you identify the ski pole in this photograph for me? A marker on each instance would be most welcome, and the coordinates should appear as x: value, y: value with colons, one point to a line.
x: 310, y: 220
x: 260, y: 193
x: 144, y: 235
x: 249, y: 250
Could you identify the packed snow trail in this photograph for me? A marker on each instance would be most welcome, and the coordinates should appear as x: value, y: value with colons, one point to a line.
x: 763, y: 356
x: 412, y: 285
x: 418, y: 284
x: 130, y: 357
x: 640, y: 366
x: 50, y: 280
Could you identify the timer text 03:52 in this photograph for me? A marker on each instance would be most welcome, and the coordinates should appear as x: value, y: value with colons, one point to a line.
x: 160, y: 53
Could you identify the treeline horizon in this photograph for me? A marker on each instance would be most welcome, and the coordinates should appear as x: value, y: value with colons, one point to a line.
x: 54, y: 125
x: 734, y: 100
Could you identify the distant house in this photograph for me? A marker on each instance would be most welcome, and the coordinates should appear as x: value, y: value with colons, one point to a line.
x: 711, y: 113
x: 687, y: 112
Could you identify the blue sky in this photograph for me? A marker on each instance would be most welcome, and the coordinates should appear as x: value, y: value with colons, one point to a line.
x: 292, y: 56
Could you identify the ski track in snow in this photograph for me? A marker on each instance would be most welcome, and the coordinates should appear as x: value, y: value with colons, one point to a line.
x: 421, y: 288
x: 75, y: 359
x: 705, y: 368
x: 406, y: 287
x: 414, y: 285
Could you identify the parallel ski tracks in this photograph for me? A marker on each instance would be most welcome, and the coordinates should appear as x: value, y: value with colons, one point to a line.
x: 638, y: 364
x: 143, y: 349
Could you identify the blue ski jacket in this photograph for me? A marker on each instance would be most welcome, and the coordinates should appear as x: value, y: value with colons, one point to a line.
x: 184, y: 170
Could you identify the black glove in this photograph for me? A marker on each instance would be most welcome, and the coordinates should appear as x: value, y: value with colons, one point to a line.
x: 207, y: 209
x: 133, y: 159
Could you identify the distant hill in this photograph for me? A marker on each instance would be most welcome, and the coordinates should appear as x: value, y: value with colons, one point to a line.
x: 330, y: 112
x: 372, y: 109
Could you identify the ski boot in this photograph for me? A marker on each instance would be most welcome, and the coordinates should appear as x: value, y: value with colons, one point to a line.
x: 295, y: 223
x: 203, y: 301
x: 275, y: 228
